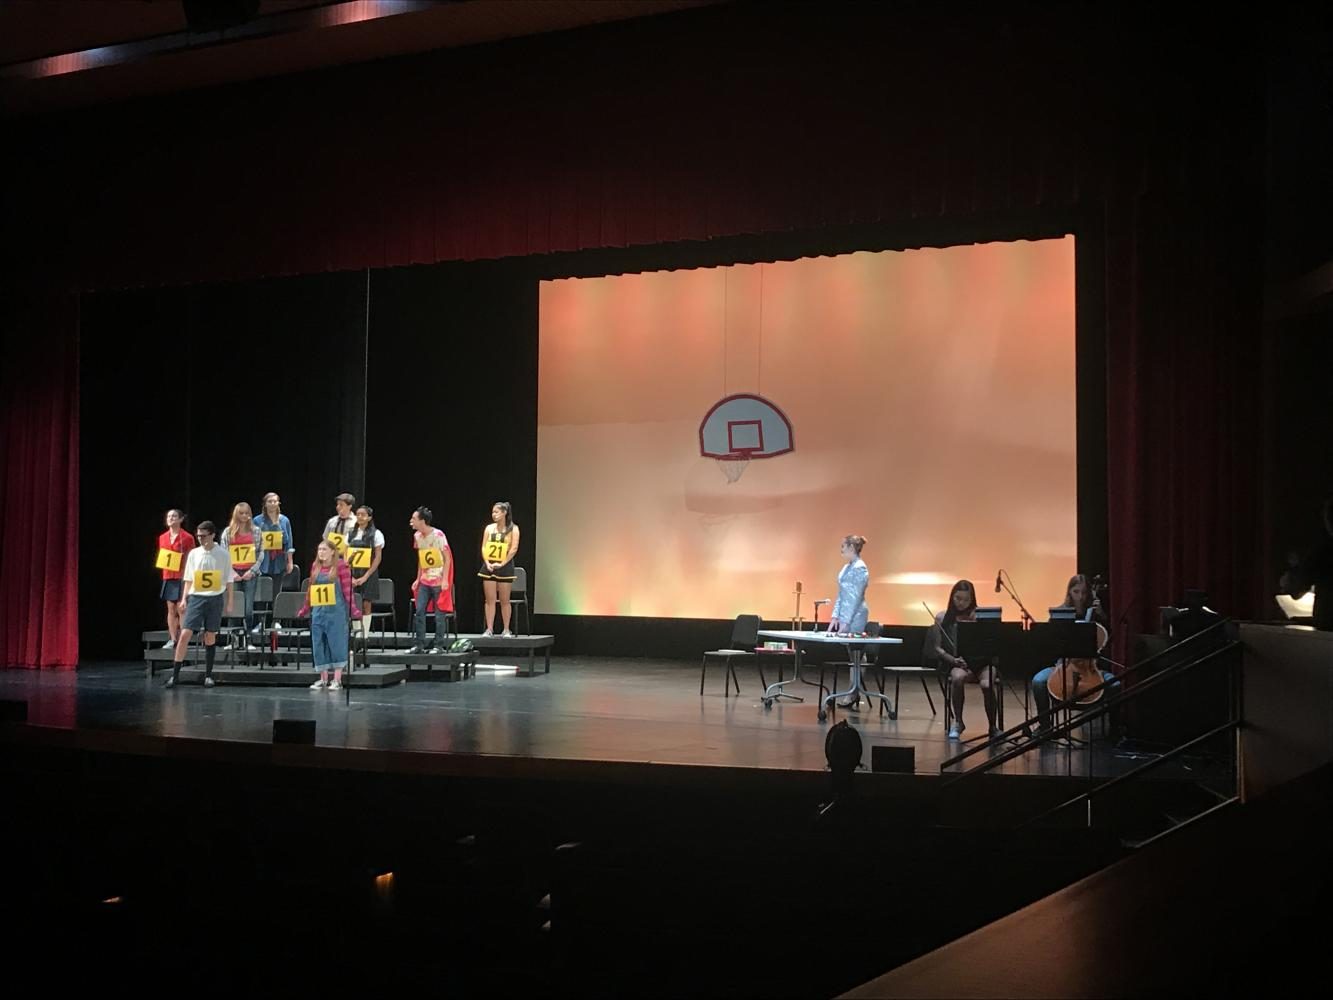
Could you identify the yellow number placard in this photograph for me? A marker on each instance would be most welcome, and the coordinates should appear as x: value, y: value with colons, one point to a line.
x: 207, y: 579
x: 339, y: 542
x: 272, y: 541
x: 430, y: 558
x: 321, y: 595
x: 168, y: 559
x: 358, y: 557
x: 495, y: 551
x: 243, y: 554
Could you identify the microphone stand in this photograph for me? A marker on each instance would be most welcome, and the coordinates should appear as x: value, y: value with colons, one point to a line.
x: 1026, y: 622
x: 1006, y: 581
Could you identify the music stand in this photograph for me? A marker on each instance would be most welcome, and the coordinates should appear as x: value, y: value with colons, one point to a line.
x: 987, y: 640
x: 1062, y: 641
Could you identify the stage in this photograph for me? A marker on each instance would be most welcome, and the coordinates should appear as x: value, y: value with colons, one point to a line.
x: 587, y: 714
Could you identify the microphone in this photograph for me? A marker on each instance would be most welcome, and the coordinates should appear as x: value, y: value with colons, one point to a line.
x: 824, y: 601
x: 998, y: 584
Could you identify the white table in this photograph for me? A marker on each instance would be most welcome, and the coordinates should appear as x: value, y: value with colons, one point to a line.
x: 855, y: 646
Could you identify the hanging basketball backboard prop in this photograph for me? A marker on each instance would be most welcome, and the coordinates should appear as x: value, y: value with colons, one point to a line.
x: 743, y: 427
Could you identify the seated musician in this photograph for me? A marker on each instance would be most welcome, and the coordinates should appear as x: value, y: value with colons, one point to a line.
x: 1079, y: 596
x: 941, y: 651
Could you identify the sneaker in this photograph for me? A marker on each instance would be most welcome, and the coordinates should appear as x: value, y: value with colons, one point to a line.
x: 488, y: 634
x: 209, y: 682
x: 955, y: 731
x: 849, y: 702
x: 435, y: 651
x: 995, y: 732
x: 317, y: 686
x: 506, y: 634
x: 171, y: 683
x: 415, y: 651
x: 250, y: 647
x: 335, y: 686
x: 168, y: 645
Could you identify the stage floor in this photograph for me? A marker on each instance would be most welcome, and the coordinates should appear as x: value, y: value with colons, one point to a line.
x: 586, y: 709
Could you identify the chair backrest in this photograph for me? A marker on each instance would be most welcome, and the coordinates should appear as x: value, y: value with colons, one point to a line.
x: 264, y: 590
x: 233, y: 604
x: 909, y: 654
x: 745, y: 632
x: 292, y: 580
x: 287, y: 604
x: 520, y: 586
x: 386, y: 594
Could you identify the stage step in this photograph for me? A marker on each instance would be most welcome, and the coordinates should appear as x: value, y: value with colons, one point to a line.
x: 371, y: 677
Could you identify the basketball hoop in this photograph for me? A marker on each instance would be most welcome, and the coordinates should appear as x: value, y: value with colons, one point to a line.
x: 734, y: 465
x: 740, y: 428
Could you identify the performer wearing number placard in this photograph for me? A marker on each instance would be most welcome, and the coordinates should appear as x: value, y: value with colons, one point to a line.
x: 275, y: 564
x: 241, y: 541
x: 328, y: 602
x: 499, y: 546
x: 337, y: 527
x: 178, y: 541
x: 207, y: 570
x: 433, y: 585
x: 365, y: 549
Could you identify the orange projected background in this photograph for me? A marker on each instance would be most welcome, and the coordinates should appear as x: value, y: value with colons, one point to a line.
x: 931, y: 396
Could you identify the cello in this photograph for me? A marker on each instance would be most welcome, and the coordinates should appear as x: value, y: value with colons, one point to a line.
x: 1077, y: 674
x: 1081, y: 673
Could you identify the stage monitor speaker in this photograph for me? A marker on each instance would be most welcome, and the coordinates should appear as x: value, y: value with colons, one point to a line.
x: 294, y: 731
x: 893, y: 760
x: 13, y: 710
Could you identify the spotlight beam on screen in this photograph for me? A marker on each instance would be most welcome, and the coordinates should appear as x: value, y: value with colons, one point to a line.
x: 931, y: 401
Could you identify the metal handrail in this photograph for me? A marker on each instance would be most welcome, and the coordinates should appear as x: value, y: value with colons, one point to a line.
x: 1090, y: 713
x: 1064, y: 728
x: 1231, y: 724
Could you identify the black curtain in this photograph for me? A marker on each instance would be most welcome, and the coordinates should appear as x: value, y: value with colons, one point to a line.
x: 452, y: 408
x: 201, y: 397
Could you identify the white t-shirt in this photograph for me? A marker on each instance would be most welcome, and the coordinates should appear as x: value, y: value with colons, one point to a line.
x: 201, y: 559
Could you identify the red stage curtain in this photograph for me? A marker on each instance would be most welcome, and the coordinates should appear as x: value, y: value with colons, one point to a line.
x: 39, y: 444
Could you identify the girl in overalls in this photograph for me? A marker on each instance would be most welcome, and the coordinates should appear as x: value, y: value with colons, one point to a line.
x: 328, y: 622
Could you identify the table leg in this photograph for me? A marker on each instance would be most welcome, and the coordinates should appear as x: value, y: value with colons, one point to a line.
x: 775, y: 690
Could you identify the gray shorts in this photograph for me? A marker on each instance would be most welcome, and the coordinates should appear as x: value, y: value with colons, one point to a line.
x: 204, y: 613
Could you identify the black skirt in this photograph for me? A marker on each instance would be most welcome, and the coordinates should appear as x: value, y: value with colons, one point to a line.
x: 503, y: 573
x: 370, y: 590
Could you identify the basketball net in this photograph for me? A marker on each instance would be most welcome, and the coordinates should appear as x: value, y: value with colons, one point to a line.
x: 733, y: 466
